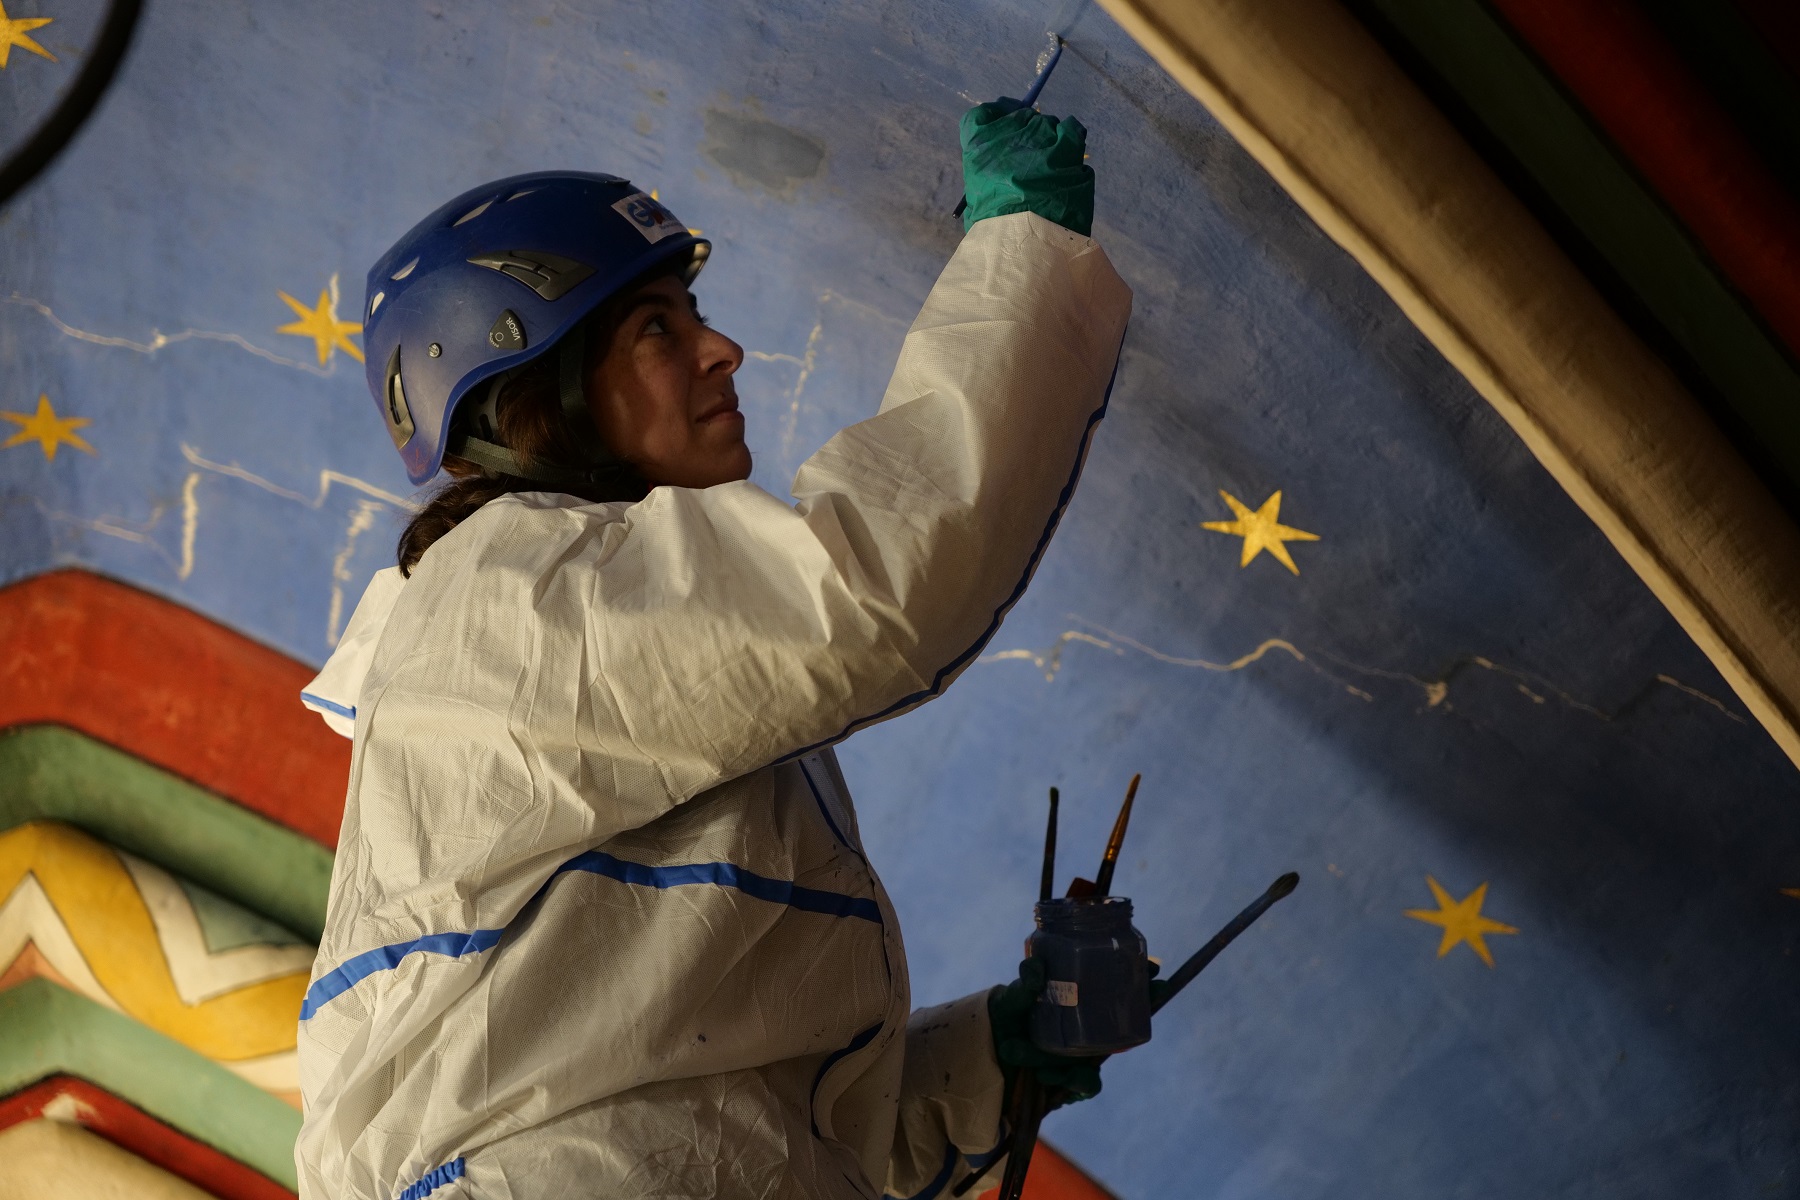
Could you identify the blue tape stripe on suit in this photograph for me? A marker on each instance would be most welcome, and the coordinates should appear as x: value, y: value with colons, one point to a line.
x: 956, y: 664
x: 353, y: 971
x: 434, y: 1179
x: 856, y: 1043
x: 726, y: 875
x: 938, y: 1181
x: 982, y: 1162
x: 824, y: 811
x: 329, y: 705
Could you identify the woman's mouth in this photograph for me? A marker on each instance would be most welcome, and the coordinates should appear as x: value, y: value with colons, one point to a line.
x: 724, y: 410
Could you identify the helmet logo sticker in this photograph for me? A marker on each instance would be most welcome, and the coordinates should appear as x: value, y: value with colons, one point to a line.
x: 649, y: 217
x: 549, y: 275
x: 395, y: 410
x: 507, y: 334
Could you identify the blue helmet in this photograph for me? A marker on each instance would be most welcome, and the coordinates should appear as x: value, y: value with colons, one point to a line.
x: 492, y: 280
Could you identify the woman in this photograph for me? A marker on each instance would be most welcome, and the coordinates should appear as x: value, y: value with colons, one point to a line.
x: 601, y: 923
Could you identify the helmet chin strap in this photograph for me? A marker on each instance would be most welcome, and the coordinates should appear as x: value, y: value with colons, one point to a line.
x: 487, y: 452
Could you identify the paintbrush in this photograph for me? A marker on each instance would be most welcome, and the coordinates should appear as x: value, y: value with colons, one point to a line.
x: 1103, y: 883
x: 1082, y: 889
x: 1046, y: 63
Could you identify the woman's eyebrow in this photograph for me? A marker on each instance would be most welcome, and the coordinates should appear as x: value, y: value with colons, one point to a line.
x: 646, y: 300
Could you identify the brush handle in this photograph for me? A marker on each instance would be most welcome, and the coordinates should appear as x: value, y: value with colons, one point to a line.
x: 1030, y: 98
x: 1031, y: 1107
x: 1185, y: 973
x: 1043, y: 77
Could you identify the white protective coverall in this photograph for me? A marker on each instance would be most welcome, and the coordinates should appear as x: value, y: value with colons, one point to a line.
x: 601, y: 923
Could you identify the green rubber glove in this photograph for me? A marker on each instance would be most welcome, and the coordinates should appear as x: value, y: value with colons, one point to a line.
x: 1009, y: 1013
x: 1016, y: 159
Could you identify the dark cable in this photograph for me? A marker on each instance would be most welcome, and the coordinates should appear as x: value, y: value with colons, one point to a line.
x: 63, y: 124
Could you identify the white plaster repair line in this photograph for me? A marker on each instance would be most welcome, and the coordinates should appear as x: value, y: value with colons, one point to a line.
x: 1049, y: 660
x: 1438, y: 690
x: 765, y: 356
x: 327, y: 478
x: 136, y: 532
x: 923, y: 76
x: 828, y: 296
x: 141, y: 532
x: 362, y: 519
x: 159, y: 340
x: 190, y: 523
x: 808, y: 359
x: 1697, y: 694
x: 1435, y: 691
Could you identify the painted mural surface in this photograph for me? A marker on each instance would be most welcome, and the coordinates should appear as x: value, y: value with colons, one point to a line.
x: 1310, y: 586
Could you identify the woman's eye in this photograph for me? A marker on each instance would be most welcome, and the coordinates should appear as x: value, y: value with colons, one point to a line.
x: 655, y: 325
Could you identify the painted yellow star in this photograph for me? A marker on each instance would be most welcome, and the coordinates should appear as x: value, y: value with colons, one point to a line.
x: 1461, y: 919
x: 1260, y: 530
x: 46, y: 429
x: 321, y: 324
x: 14, y: 31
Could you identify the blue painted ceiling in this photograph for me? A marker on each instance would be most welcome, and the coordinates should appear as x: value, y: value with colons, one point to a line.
x: 1461, y: 681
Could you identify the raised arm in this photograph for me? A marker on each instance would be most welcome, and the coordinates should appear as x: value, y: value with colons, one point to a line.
x: 730, y: 630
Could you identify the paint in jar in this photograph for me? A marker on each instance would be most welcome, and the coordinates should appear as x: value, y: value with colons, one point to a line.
x: 1097, y: 998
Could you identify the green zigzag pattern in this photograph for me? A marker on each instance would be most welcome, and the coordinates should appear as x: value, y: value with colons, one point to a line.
x: 48, y: 772
x: 48, y: 1030
x: 51, y: 773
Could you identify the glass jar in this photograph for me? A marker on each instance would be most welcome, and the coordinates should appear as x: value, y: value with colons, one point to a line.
x: 1097, y: 1000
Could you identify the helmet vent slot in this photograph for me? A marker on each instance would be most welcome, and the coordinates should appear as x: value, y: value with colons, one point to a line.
x: 403, y: 272
x: 549, y: 275
x: 516, y: 195
x: 376, y: 302
x: 394, y: 407
x: 472, y: 213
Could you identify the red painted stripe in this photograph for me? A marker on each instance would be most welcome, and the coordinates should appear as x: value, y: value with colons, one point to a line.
x: 171, y: 687
x: 1053, y: 1177
x: 1681, y: 141
x: 133, y: 1129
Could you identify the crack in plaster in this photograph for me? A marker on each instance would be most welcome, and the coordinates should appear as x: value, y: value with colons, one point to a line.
x: 766, y: 356
x: 137, y: 532
x: 923, y: 76
x: 327, y: 478
x: 374, y: 500
x: 159, y: 340
x: 361, y: 521
x: 190, y: 523
x: 1436, y: 692
x: 807, y: 361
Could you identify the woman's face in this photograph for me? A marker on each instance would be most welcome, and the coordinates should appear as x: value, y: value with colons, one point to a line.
x: 662, y: 394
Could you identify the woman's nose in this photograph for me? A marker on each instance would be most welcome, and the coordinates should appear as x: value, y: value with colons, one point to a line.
x: 719, y: 353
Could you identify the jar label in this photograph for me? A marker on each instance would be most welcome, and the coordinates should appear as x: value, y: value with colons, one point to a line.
x: 1063, y: 992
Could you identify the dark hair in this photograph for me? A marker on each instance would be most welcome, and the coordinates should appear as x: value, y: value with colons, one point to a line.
x: 528, y: 412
